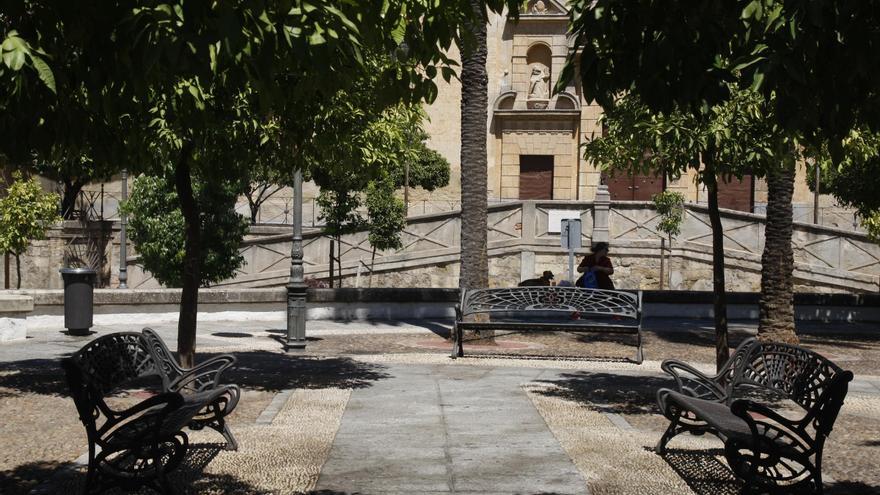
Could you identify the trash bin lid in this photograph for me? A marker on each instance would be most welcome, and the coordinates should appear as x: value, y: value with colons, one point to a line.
x: 77, y: 271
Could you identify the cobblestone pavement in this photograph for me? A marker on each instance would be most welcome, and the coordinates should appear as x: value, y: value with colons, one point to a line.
x: 42, y: 435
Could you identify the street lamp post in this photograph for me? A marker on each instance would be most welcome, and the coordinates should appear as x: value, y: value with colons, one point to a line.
x: 296, y: 287
x: 123, y: 254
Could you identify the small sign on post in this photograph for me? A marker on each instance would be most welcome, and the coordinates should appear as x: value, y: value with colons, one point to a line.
x: 570, y: 238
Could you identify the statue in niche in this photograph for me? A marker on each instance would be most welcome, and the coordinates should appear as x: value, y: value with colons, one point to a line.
x: 539, y: 7
x: 538, y: 84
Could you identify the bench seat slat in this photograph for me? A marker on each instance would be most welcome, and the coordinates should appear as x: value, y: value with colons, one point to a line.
x: 549, y: 327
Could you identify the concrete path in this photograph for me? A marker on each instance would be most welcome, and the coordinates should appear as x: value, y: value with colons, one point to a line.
x: 447, y: 430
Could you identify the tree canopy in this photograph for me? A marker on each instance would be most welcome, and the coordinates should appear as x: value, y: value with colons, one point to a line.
x: 150, y: 84
x: 26, y: 212
x: 819, y: 60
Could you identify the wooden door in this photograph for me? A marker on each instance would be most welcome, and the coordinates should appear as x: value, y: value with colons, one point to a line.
x: 623, y: 187
x: 536, y: 177
x: 737, y: 194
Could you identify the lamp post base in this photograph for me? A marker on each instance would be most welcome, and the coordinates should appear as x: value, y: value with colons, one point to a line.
x: 296, y: 318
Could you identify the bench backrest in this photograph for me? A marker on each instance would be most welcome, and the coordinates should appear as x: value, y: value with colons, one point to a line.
x: 164, y: 359
x: 104, y: 365
x: 588, y: 302
x: 808, y: 379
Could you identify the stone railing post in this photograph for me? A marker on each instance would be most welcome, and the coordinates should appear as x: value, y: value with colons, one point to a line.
x: 527, y: 255
x: 601, y: 210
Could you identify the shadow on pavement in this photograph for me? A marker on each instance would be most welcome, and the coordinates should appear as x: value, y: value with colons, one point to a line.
x: 38, y: 376
x: 623, y: 394
x: 272, y: 371
x: 188, y: 478
x: 258, y: 370
x: 703, y: 472
x: 22, y: 479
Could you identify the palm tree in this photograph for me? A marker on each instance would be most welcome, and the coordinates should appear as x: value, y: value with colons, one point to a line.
x: 776, y: 320
x: 474, y: 103
x: 474, y: 272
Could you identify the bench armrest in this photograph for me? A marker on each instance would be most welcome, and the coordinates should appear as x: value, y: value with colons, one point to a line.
x: 170, y: 401
x: 690, y: 381
x: 204, y: 376
x: 768, y: 425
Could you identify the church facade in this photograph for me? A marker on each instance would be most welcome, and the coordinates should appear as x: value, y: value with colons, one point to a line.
x: 535, y: 136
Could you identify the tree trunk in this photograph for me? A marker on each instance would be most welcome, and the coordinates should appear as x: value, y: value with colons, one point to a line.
x: 68, y: 198
x: 6, y: 276
x: 254, y: 207
x: 474, y: 271
x: 189, y: 297
x: 776, y: 321
x: 719, y: 297
x: 18, y: 270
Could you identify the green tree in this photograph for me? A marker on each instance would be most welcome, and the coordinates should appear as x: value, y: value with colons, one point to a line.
x: 670, y: 207
x: 678, y: 58
x: 151, y: 84
x: 26, y: 213
x: 723, y: 141
x: 379, y: 141
x: 156, y: 224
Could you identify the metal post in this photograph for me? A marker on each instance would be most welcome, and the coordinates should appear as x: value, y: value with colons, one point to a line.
x: 123, y: 252
x: 406, y: 188
x: 816, y: 196
x: 296, y: 287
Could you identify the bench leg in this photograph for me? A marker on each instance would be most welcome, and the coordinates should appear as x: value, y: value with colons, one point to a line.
x: 667, y: 435
x: 454, y: 337
x: 639, y: 355
x: 231, y: 443
x: 460, y: 339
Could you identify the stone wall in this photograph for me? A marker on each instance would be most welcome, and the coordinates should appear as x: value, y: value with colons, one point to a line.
x: 522, y: 244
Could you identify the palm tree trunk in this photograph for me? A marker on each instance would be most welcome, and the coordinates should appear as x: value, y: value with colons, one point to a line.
x: 776, y: 320
x: 189, y: 297
x: 474, y: 272
x: 719, y: 297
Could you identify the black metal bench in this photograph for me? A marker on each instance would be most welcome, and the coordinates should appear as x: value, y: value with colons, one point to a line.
x: 549, y: 309
x: 138, y: 446
x: 203, y: 377
x: 764, y: 444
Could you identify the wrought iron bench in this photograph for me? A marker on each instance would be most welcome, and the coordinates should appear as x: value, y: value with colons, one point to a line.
x: 525, y: 309
x: 204, y: 377
x: 770, y: 448
x: 137, y: 446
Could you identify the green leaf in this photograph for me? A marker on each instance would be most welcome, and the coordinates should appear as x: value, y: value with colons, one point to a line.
x: 44, y: 72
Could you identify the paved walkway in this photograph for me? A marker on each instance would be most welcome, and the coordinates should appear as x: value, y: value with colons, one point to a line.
x: 355, y: 415
x: 455, y: 430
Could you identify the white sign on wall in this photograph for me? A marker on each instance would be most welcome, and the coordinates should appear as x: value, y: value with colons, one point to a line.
x: 555, y: 218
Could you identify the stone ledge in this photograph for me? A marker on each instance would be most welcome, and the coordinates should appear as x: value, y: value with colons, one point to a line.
x: 15, y: 303
x: 55, y: 297
x: 800, y: 298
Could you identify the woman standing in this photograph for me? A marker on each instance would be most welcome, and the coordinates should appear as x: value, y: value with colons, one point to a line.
x: 600, y: 264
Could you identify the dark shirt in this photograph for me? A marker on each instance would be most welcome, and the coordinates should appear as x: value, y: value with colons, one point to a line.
x: 602, y: 278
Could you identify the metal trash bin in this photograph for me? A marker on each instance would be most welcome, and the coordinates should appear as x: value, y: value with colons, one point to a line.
x: 79, y: 290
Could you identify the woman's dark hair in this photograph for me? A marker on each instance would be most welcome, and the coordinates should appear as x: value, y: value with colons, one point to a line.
x: 599, y: 246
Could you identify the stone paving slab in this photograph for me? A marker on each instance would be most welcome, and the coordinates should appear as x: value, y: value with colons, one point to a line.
x: 447, y: 430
